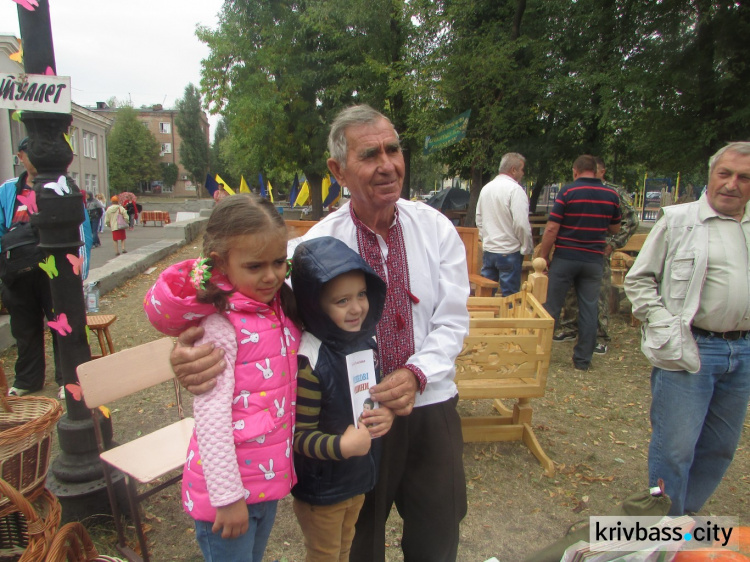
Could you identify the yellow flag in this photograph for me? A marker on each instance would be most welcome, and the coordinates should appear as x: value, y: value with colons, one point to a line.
x: 221, y: 182
x: 270, y: 192
x: 243, y: 185
x: 326, y: 186
x: 304, y: 195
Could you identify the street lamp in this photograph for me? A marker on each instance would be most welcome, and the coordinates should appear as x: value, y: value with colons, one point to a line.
x: 76, y: 476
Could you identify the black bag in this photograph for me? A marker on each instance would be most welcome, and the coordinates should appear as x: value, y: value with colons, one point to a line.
x: 95, y: 214
x: 20, y: 252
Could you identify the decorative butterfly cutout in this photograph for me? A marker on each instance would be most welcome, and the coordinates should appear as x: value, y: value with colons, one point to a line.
x: 60, y: 186
x: 105, y: 411
x: 16, y: 116
x: 76, y: 262
x: 30, y: 5
x: 49, y: 72
x: 74, y: 389
x: 49, y: 266
x: 67, y: 139
x: 60, y: 325
x: 29, y: 200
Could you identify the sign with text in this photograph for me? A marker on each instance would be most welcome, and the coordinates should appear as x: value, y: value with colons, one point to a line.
x: 35, y: 92
x: 452, y: 132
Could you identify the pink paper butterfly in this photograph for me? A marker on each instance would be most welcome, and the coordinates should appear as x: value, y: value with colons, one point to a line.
x: 30, y: 5
x: 76, y: 262
x: 49, y: 72
x: 74, y: 389
x: 60, y: 325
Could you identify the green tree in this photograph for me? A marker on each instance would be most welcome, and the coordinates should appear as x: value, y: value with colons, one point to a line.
x: 194, y: 133
x: 132, y: 151
x: 169, y: 173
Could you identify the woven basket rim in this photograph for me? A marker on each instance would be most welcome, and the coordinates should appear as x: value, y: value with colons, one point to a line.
x: 34, y: 414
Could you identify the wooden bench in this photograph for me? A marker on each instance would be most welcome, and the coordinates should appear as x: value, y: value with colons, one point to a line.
x: 154, y: 216
x: 482, y: 286
x: 506, y: 356
x: 296, y: 228
x: 634, y: 244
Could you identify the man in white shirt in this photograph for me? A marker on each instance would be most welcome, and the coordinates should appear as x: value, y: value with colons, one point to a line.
x: 503, y: 222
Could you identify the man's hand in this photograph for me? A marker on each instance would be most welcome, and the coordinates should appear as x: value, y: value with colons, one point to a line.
x: 397, y: 391
x: 608, y: 250
x: 196, y: 367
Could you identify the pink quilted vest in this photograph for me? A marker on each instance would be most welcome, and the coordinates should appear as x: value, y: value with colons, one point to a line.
x: 264, y: 392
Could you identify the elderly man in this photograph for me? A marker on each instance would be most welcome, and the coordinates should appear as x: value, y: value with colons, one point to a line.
x: 503, y: 222
x: 690, y: 285
x: 418, y: 251
x: 584, y: 212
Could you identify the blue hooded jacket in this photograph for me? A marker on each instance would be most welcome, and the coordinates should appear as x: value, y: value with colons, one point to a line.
x: 315, y: 262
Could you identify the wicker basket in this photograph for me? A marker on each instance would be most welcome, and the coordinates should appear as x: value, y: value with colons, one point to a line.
x: 25, y: 440
x: 27, y: 529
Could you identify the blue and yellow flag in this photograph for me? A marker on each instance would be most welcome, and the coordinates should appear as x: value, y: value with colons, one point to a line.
x: 270, y: 191
x: 304, y: 195
x: 221, y: 182
x: 211, y: 185
x: 244, y: 188
x: 334, y: 193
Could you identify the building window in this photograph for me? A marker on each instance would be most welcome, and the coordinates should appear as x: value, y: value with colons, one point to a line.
x: 166, y: 148
x: 144, y: 123
x: 73, y: 136
x: 165, y: 128
x: 87, y: 179
x: 94, y: 183
x: 74, y: 177
x: 89, y: 144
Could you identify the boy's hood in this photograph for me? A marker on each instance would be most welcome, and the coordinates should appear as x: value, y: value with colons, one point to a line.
x: 317, y: 261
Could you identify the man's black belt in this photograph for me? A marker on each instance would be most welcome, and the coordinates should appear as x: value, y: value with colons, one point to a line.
x: 731, y: 336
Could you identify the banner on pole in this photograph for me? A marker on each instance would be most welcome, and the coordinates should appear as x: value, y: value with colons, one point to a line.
x: 35, y: 92
x: 452, y: 132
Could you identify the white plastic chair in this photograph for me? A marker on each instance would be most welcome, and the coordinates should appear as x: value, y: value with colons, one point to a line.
x: 150, y: 456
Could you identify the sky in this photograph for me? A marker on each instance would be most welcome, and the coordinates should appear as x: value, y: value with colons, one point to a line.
x: 142, y: 51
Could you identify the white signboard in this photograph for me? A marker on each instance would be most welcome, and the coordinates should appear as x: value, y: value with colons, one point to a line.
x: 35, y: 92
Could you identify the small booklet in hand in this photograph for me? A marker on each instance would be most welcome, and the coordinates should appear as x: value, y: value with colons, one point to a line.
x: 360, y: 367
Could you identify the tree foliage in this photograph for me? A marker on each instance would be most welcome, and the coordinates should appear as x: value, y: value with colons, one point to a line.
x: 132, y: 152
x: 653, y: 86
x: 169, y: 173
x: 194, y: 147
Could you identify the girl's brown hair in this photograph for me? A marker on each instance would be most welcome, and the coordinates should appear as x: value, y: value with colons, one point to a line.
x: 243, y: 214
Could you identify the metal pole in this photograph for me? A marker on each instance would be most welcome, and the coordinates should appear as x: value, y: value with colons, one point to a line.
x: 76, y: 475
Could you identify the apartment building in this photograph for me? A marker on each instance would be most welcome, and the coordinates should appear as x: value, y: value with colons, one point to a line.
x: 161, y: 123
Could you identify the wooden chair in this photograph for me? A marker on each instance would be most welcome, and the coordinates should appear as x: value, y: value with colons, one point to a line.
x: 482, y: 286
x: 149, y: 457
x: 296, y: 229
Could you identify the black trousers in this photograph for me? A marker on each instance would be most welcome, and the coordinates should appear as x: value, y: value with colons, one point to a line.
x: 29, y: 302
x: 422, y: 471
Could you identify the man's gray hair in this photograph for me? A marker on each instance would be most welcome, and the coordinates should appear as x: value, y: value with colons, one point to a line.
x: 351, y: 116
x: 510, y: 160
x: 737, y: 147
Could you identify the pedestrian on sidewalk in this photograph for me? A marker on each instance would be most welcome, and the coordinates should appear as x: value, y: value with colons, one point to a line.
x: 96, y: 212
x: 116, y: 218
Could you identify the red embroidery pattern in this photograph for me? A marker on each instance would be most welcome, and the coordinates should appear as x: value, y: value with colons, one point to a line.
x: 395, y: 330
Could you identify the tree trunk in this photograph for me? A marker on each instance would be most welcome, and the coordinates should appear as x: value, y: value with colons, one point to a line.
x: 315, y: 181
x: 406, y: 187
x: 477, y: 181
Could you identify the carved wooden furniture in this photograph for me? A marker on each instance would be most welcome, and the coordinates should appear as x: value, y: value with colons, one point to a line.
x: 506, y: 356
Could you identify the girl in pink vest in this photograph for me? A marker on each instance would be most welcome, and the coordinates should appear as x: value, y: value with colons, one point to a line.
x: 239, y: 463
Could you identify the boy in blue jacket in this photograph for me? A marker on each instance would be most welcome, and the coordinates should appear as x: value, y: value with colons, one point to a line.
x: 340, y: 300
